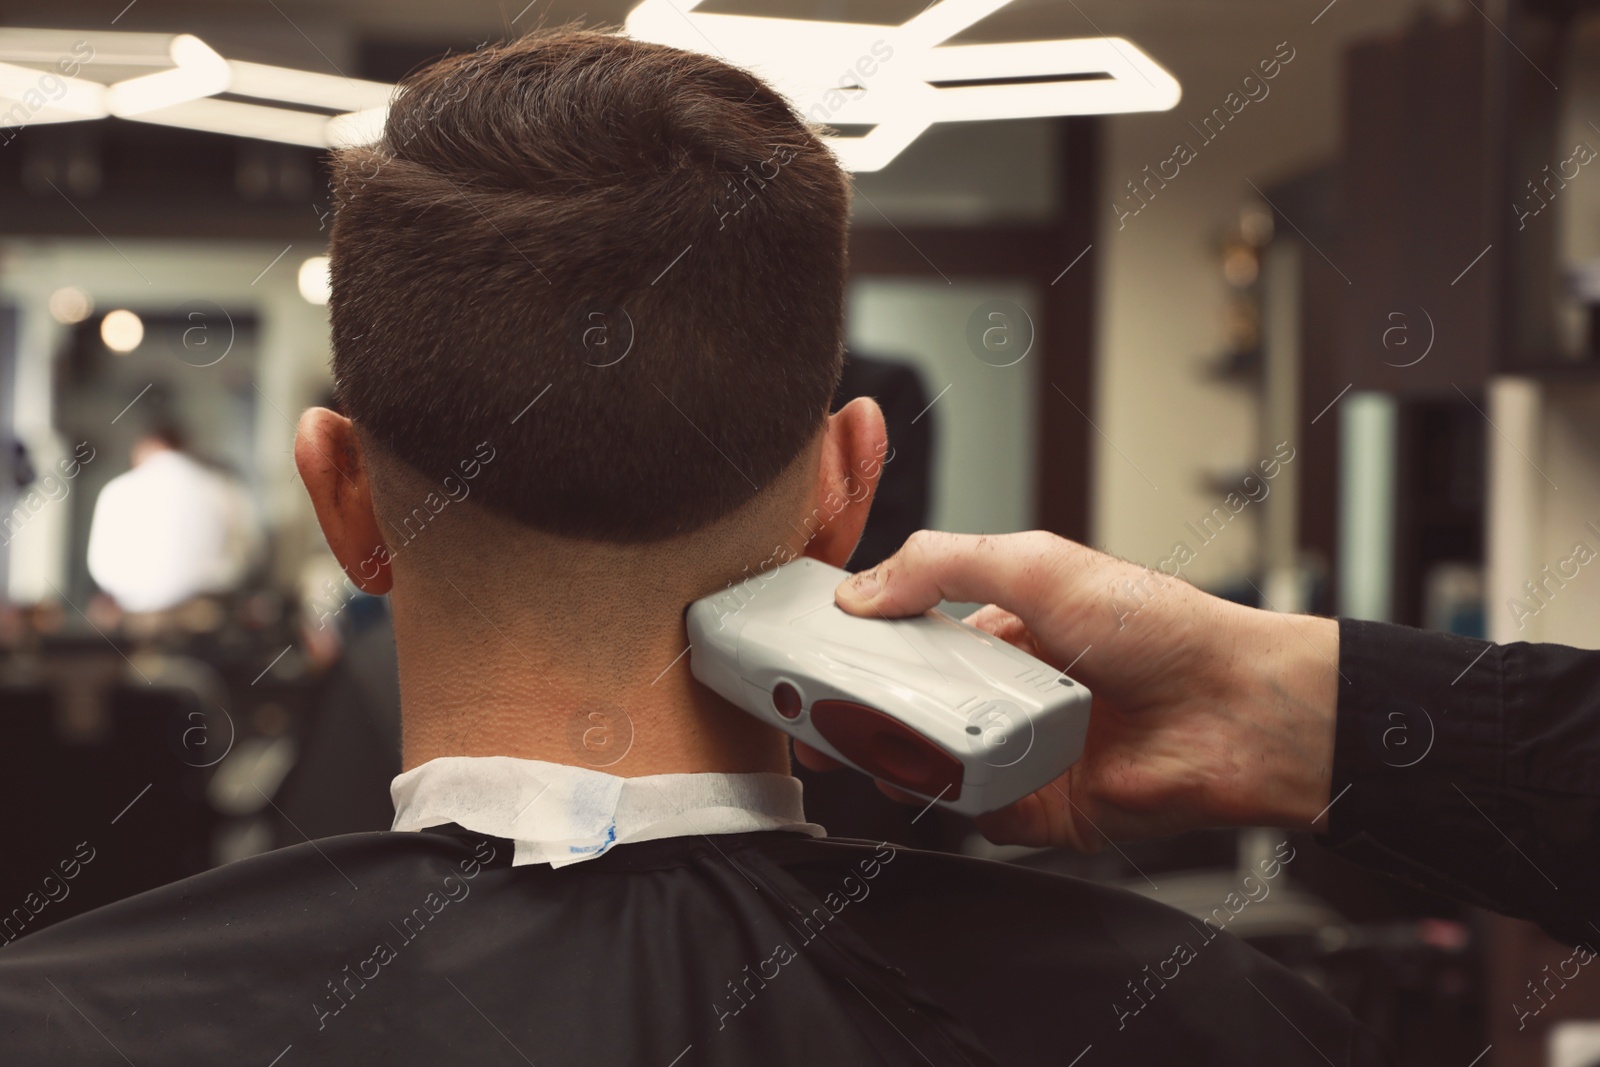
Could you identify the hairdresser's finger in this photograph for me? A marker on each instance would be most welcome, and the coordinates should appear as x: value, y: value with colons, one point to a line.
x: 814, y: 760
x: 1023, y: 823
x: 1045, y: 819
x: 899, y: 795
x: 998, y: 622
x: 1011, y: 570
x: 991, y: 619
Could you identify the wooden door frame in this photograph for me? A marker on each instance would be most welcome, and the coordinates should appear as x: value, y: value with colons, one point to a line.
x: 1038, y: 253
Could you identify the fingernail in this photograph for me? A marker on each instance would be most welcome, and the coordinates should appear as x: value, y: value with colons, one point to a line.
x: 865, y: 585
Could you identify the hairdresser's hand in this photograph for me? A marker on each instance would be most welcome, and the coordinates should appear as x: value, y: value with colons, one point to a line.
x: 1206, y: 713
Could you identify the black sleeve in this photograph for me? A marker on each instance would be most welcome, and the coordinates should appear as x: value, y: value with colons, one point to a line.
x: 1472, y: 770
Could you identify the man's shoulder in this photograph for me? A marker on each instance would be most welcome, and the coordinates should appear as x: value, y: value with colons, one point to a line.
x: 293, y: 885
x: 1027, y: 954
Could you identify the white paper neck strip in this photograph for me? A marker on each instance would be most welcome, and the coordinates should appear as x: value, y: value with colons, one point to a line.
x: 560, y: 814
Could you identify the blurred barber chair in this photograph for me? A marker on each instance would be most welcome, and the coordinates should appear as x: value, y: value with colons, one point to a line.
x: 349, y: 747
x: 32, y: 768
x: 166, y: 737
x: 105, y: 762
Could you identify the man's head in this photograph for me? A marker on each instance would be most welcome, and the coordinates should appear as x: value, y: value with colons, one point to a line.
x: 160, y: 437
x: 614, y: 269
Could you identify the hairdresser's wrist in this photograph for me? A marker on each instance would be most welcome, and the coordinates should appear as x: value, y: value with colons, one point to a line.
x: 1281, y: 700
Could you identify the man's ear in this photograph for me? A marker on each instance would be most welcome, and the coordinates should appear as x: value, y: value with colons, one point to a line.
x: 328, y: 455
x: 853, y: 450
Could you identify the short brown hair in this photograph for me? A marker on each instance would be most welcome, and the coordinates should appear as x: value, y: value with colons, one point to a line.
x: 522, y: 190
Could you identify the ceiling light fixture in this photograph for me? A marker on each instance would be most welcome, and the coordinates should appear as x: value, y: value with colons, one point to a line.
x: 197, y: 72
x: 894, y: 80
x: 899, y: 80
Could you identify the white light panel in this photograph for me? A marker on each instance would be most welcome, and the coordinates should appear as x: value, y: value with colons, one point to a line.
x: 896, y: 80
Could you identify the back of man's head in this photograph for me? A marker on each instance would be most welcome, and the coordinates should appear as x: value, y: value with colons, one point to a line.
x: 619, y: 265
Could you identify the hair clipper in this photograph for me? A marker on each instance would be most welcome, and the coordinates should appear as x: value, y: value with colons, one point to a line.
x: 926, y: 703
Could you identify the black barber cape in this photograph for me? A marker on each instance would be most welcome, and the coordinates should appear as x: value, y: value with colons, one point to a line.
x: 757, y: 948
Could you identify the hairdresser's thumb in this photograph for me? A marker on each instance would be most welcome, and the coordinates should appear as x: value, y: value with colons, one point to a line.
x: 907, y: 583
x: 858, y: 593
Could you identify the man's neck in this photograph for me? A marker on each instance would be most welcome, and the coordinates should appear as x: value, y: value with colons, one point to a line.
x: 510, y: 690
x: 515, y: 642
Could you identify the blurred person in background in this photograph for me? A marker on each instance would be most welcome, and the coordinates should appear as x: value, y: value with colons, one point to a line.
x: 171, y: 528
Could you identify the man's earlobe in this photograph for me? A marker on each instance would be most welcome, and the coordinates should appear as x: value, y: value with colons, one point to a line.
x: 847, y: 478
x: 327, y: 452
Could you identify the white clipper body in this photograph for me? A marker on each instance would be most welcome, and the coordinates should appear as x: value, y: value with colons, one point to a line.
x: 926, y: 703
